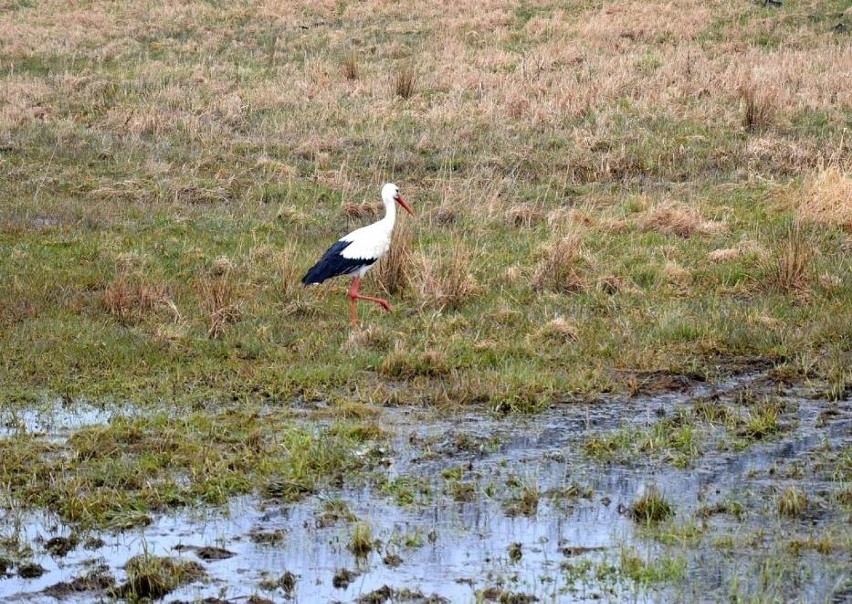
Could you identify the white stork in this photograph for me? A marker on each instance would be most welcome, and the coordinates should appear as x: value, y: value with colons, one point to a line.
x: 356, y: 253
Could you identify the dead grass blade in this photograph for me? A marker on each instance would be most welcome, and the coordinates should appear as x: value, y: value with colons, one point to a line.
x: 524, y: 215
x: 351, y: 67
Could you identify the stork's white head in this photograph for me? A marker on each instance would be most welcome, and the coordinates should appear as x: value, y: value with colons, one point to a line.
x: 390, y: 194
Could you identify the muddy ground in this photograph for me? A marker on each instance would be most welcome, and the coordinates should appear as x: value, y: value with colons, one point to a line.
x: 736, y: 492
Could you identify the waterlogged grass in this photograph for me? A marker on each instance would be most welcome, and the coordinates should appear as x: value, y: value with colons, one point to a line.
x: 600, y: 195
x: 680, y: 438
x: 117, y: 474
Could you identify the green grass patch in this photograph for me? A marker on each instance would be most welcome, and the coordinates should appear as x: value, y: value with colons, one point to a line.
x: 117, y: 474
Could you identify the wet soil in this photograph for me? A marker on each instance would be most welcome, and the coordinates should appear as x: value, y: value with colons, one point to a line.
x: 516, y: 508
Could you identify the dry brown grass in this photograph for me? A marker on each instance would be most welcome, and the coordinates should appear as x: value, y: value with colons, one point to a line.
x: 217, y: 292
x: 524, y: 215
x: 445, y: 281
x: 676, y: 273
x: 789, y: 267
x: 402, y: 363
x: 561, y: 329
x: 360, y: 210
x: 394, y: 271
x: 671, y: 218
x: 724, y: 254
x: 290, y: 270
x: 404, y: 81
x: 131, y: 299
x: 611, y: 284
x: 746, y: 247
x: 351, y: 66
x: 367, y: 338
x: 444, y: 215
x: 564, y: 267
x: 566, y: 217
x: 758, y: 106
x: 826, y: 198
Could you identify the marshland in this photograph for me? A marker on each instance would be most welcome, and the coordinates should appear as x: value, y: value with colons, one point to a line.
x: 619, y: 365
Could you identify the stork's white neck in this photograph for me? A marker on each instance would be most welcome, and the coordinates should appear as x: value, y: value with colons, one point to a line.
x: 390, y: 211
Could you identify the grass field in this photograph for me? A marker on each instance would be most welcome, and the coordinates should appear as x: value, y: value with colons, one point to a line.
x: 630, y: 186
x: 610, y: 196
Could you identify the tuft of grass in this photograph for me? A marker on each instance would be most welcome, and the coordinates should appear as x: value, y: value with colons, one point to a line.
x: 352, y: 209
x: 524, y: 503
x: 461, y: 491
x: 651, y: 507
x: 671, y: 218
x: 524, y: 215
x: 564, y: 266
x: 792, y: 502
x: 826, y: 197
x: 760, y: 422
x: 758, y: 106
x: 394, y: 274
x: 404, y: 80
x: 406, y: 490
x: 351, y: 65
x: 218, y: 297
x: 153, y: 577
x: 409, y: 364
x: 361, y: 542
x: 608, y: 445
x: 334, y: 511
x: 561, y: 329
x: 131, y: 300
x: 445, y: 282
x: 289, y: 289
x: 372, y: 337
x: 789, y: 268
x: 656, y: 569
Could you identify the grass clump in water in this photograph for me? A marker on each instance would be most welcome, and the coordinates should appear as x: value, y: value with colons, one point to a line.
x: 651, y: 507
x: 153, y: 577
x: 654, y: 569
x: 361, y: 542
x: 525, y: 502
x: 792, y: 502
x: 760, y: 421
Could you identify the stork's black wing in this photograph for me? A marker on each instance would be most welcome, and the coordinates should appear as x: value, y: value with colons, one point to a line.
x: 333, y: 264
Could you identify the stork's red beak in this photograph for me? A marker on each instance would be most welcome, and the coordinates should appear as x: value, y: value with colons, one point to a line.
x: 404, y: 204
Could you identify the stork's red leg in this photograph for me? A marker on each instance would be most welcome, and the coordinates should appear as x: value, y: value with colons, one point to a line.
x: 355, y: 294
